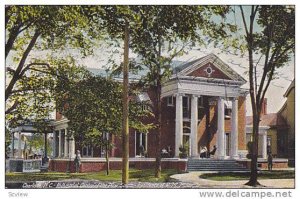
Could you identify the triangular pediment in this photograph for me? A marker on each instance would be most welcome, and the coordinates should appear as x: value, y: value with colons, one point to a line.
x: 209, y: 70
x: 209, y: 66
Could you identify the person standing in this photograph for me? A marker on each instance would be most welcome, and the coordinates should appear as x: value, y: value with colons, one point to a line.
x: 77, y: 161
x: 270, y: 162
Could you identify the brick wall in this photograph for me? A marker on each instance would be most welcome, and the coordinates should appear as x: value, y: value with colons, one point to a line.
x: 96, y: 165
x: 201, y: 72
x: 168, y: 129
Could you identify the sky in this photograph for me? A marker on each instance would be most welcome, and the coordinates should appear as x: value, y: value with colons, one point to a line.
x: 274, y: 96
x: 276, y: 90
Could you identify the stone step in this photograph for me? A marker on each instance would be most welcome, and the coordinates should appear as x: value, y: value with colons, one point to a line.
x: 221, y: 170
x: 214, y: 165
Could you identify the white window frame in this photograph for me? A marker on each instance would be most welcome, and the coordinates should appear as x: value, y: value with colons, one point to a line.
x: 141, y: 137
x: 87, y: 148
x: 200, y: 102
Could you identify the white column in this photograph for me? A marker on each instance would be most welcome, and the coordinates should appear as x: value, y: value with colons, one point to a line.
x: 72, y: 151
x: 179, y: 124
x: 13, y: 145
x: 66, y: 144
x: 220, y: 134
x: 53, y: 144
x: 19, y: 146
x: 264, y: 145
x: 194, y: 126
x: 141, y: 139
x: 59, y: 143
x: 234, y: 129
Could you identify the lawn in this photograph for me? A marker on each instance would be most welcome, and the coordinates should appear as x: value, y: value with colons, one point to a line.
x: 115, y: 175
x: 245, y: 176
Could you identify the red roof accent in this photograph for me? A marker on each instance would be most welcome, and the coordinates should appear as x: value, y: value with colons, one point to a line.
x: 215, y: 73
x: 271, y: 120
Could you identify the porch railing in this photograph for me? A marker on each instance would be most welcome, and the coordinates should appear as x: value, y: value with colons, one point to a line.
x: 32, y: 165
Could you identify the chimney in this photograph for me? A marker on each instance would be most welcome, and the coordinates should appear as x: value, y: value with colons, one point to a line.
x: 264, y: 107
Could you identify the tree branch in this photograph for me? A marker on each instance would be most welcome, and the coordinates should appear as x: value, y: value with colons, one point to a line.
x: 13, y: 34
x: 21, y: 65
x: 13, y: 107
x: 267, y: 85
x: 244, y: 20
x: 34, y: 64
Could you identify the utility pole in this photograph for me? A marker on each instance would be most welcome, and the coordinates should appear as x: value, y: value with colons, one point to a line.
x: 125, y: 128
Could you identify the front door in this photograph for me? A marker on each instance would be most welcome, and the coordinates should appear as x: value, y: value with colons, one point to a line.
x: 227, y: 144
x: 186, y: 143
x: 140, y: 144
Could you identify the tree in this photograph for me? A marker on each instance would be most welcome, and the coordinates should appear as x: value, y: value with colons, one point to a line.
x: 164, y: 33
x: 40, y: 28
x: 93, y: 106
x: 274, y: 43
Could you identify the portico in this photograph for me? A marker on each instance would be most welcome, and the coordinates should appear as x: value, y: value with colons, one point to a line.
x: 63, y: 144
x: 218, y: 90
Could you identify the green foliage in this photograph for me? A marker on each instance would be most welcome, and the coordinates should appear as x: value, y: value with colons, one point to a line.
x: 37, y: 29
x: 8, y: 137
x: 228, y: 176
x: 274, y: 42
x: 115, y: 175
x: 93, y: 105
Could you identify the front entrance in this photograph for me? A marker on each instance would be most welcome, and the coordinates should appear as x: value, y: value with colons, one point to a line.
x: 186, y: 140
x: 140, y: 144
x: 186, y: 144
x: 227, y: 144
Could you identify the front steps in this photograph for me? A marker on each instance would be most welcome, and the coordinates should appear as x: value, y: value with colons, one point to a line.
x: 207, y: 164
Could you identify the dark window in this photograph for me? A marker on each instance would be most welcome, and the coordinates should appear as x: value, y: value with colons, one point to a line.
x: 87, y: 151
x: 200, y: 102
x: 185, y: 104
x: 227, y: 113
x: 170, y: 101
x: 140, y: 144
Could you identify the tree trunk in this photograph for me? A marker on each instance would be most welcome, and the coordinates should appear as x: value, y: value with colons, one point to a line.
x: 158, y: 111
x: 158, y: 134
x: 107, y: 158
x: 16, y: 76
x: 125, y: 128
x: 253, y: 175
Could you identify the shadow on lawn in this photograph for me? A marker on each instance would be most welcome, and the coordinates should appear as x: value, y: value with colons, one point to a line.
x: 227, y: 176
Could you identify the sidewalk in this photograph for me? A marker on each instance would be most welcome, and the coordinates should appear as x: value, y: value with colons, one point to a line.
x: 193, y: 177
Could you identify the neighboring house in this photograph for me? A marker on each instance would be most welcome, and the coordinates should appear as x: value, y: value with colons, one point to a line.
x: 277, y: 130
x: 22, y: 149
x: 288, y: 113
x: 19, y: 146
x: 21, y: 138
x: 203, y: 104
x: 272, y: 134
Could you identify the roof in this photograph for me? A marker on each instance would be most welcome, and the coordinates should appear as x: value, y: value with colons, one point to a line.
x: 210, y: 58
x: 271, y: 120
x: 287, y: 92
x: 292, y: 86
x: 143, y: 97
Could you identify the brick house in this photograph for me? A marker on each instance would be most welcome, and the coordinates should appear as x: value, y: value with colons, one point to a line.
x: 203, y: 104
x: 272, y: 133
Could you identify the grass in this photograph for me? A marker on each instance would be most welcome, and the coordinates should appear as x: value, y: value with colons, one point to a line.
x: 115, y: 175
x: 245, y: 176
